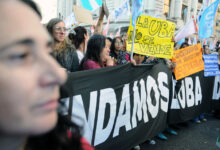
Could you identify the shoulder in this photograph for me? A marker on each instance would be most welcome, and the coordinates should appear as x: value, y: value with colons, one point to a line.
x: 90, y: 64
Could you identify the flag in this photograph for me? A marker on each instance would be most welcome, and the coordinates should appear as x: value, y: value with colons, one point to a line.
x: 91, y: 4
x: 207, y: 21
x: 194, y: 41
x: 122, y: 11
x: 105, y: 31
x: 204, y: 42
x: 118, y: 32
x: 136, y: 10
x: 205, y: 4
x: 187, y: 30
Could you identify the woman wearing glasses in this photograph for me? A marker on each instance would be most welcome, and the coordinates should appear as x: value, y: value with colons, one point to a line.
x: 63, y: 52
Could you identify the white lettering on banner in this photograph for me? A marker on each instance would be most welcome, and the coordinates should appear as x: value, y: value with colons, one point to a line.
x: 189, y: 92
x: 182, y: 92
x: 107, y: 96
x: 151, y: 98
x: 79, y: 114
x: 151, y: 85
x: 164, y: 90
x: 198, y: 92
x: 139, y: 104
x: 216, y: 91
x: 175, y: 102
x: 123, y: 119
x: 186, y: 96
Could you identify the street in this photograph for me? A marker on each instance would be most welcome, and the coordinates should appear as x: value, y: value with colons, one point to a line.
x: 191, y: 137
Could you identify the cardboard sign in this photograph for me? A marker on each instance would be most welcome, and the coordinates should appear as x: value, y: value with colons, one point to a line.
x: 83, y: 15
x: 188, y: 61
x: 153, y: 37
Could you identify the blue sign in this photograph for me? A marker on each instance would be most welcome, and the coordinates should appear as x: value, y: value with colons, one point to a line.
x: 207, y: 21
x: 211, y: 65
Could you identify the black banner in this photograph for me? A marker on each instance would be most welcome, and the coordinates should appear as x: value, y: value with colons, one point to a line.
x: 216, y: 93
x: 191, y: 97
x: 122, y: 106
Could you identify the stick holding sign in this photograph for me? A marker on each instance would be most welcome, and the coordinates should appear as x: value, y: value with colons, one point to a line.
x: 136, y: 11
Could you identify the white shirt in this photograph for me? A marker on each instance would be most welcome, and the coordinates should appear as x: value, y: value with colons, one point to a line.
x: 80, y: 55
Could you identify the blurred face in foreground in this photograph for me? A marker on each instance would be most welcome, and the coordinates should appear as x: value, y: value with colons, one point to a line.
x: 30, y: 77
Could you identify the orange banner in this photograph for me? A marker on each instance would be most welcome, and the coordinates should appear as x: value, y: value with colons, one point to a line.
x: 188, y: 61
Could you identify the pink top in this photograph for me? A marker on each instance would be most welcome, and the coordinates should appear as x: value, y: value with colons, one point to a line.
x: 90, y: 64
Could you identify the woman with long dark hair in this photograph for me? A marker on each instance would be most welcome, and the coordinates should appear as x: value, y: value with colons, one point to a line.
x: 97, y: 54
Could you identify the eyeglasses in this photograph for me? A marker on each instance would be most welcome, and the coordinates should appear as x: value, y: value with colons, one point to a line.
x: 60, y: 29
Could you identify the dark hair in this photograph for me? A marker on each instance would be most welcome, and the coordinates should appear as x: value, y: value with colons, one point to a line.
x: 204, y: 46
x: 94, y: 48
x: 112, y: 48
x: 110, y: 39
x: 184, y: 44
x: 78, y: 37
x: 51, y: 24
x: 33, y: 5
x: 58, y: 138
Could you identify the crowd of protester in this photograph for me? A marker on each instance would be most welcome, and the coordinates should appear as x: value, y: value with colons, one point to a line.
x: 33, y: 77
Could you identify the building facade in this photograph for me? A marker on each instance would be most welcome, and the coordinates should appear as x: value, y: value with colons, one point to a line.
x: 177, y: 11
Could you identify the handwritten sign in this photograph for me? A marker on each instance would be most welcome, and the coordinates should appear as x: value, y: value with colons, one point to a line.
x: 211, y: 65
x: 189, y: 61
x: 153, y: 37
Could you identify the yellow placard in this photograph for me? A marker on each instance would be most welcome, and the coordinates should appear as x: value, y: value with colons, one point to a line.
x: 188, y: 61
x: 153, y: 37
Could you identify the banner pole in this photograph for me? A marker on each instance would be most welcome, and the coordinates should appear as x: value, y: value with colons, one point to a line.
x: 132, y: 47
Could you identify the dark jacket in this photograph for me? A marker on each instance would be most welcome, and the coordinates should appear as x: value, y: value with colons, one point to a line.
x: 67, y: 58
